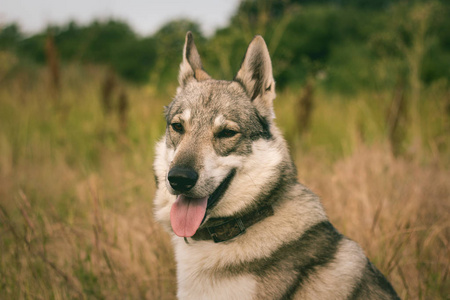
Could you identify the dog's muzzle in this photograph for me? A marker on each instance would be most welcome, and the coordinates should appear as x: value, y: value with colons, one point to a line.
x: 182, y: 179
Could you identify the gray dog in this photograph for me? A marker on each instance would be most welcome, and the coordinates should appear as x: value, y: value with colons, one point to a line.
x: 242, y: 226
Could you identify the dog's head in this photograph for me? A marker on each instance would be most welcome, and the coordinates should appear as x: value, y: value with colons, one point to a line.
x: 218, y: 153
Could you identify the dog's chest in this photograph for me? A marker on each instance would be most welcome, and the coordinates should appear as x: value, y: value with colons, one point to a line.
x: 200, y: 276
x: 216, y: 287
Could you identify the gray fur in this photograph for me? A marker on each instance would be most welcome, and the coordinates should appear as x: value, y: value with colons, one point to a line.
x: 217, y: 128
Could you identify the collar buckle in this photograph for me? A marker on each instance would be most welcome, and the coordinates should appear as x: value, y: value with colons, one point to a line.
x: 226, y: 230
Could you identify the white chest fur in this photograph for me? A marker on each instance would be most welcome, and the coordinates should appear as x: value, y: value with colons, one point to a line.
x: 200, y: 277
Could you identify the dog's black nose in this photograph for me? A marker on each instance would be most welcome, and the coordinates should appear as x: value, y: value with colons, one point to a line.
x: 182, y: 179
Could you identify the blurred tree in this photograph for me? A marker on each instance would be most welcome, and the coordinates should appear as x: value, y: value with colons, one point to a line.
x: 101, y: 41
x: 110, y: 42
x: 33, y: 47
x: 409, y: 35
x: 70, y: 40
x: 136, y: 59
x: 351, y: 44
x: 10, y: 36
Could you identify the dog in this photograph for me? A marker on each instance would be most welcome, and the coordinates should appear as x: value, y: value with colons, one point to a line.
x: 227, y: 191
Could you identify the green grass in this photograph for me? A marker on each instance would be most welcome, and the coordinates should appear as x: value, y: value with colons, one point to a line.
x: 76, y: 190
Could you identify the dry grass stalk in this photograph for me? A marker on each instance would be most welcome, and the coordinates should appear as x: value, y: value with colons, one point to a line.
x: 24, y: 244
x: 304, y: 107
x: 396, y: 118
x: 122, y: 110
x: 447, y: 108
x: 53, y: 64
x: 109, y: 85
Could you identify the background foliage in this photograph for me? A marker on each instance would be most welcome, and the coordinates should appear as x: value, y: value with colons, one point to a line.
x: 346, y: 40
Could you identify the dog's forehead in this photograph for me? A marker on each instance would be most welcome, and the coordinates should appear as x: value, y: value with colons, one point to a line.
x: 211, y: 99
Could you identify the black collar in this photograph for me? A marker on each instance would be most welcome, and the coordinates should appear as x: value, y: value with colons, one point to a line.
x: 229, y: 228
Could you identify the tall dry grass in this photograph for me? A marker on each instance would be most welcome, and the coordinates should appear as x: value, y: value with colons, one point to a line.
x: 76, y: 196
x: 76, y: 191
x: 397, y: 209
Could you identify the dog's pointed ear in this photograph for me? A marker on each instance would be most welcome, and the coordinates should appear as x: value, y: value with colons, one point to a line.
x: 255, y: 75
x: 191, y: 67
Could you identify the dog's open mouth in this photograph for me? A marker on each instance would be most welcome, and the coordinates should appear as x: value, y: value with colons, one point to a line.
x: 187, y: 214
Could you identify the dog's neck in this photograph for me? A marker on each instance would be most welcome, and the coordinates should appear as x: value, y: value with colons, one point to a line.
x: 229, y: 228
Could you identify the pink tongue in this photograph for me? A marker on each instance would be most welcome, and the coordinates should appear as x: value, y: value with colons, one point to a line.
x: 187, y: 214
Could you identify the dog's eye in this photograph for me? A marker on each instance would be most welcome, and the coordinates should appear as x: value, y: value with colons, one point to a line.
x: 177, y: 127
x: 227, y: 133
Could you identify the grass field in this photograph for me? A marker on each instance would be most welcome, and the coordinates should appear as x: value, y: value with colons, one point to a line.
x: 76, y: 186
